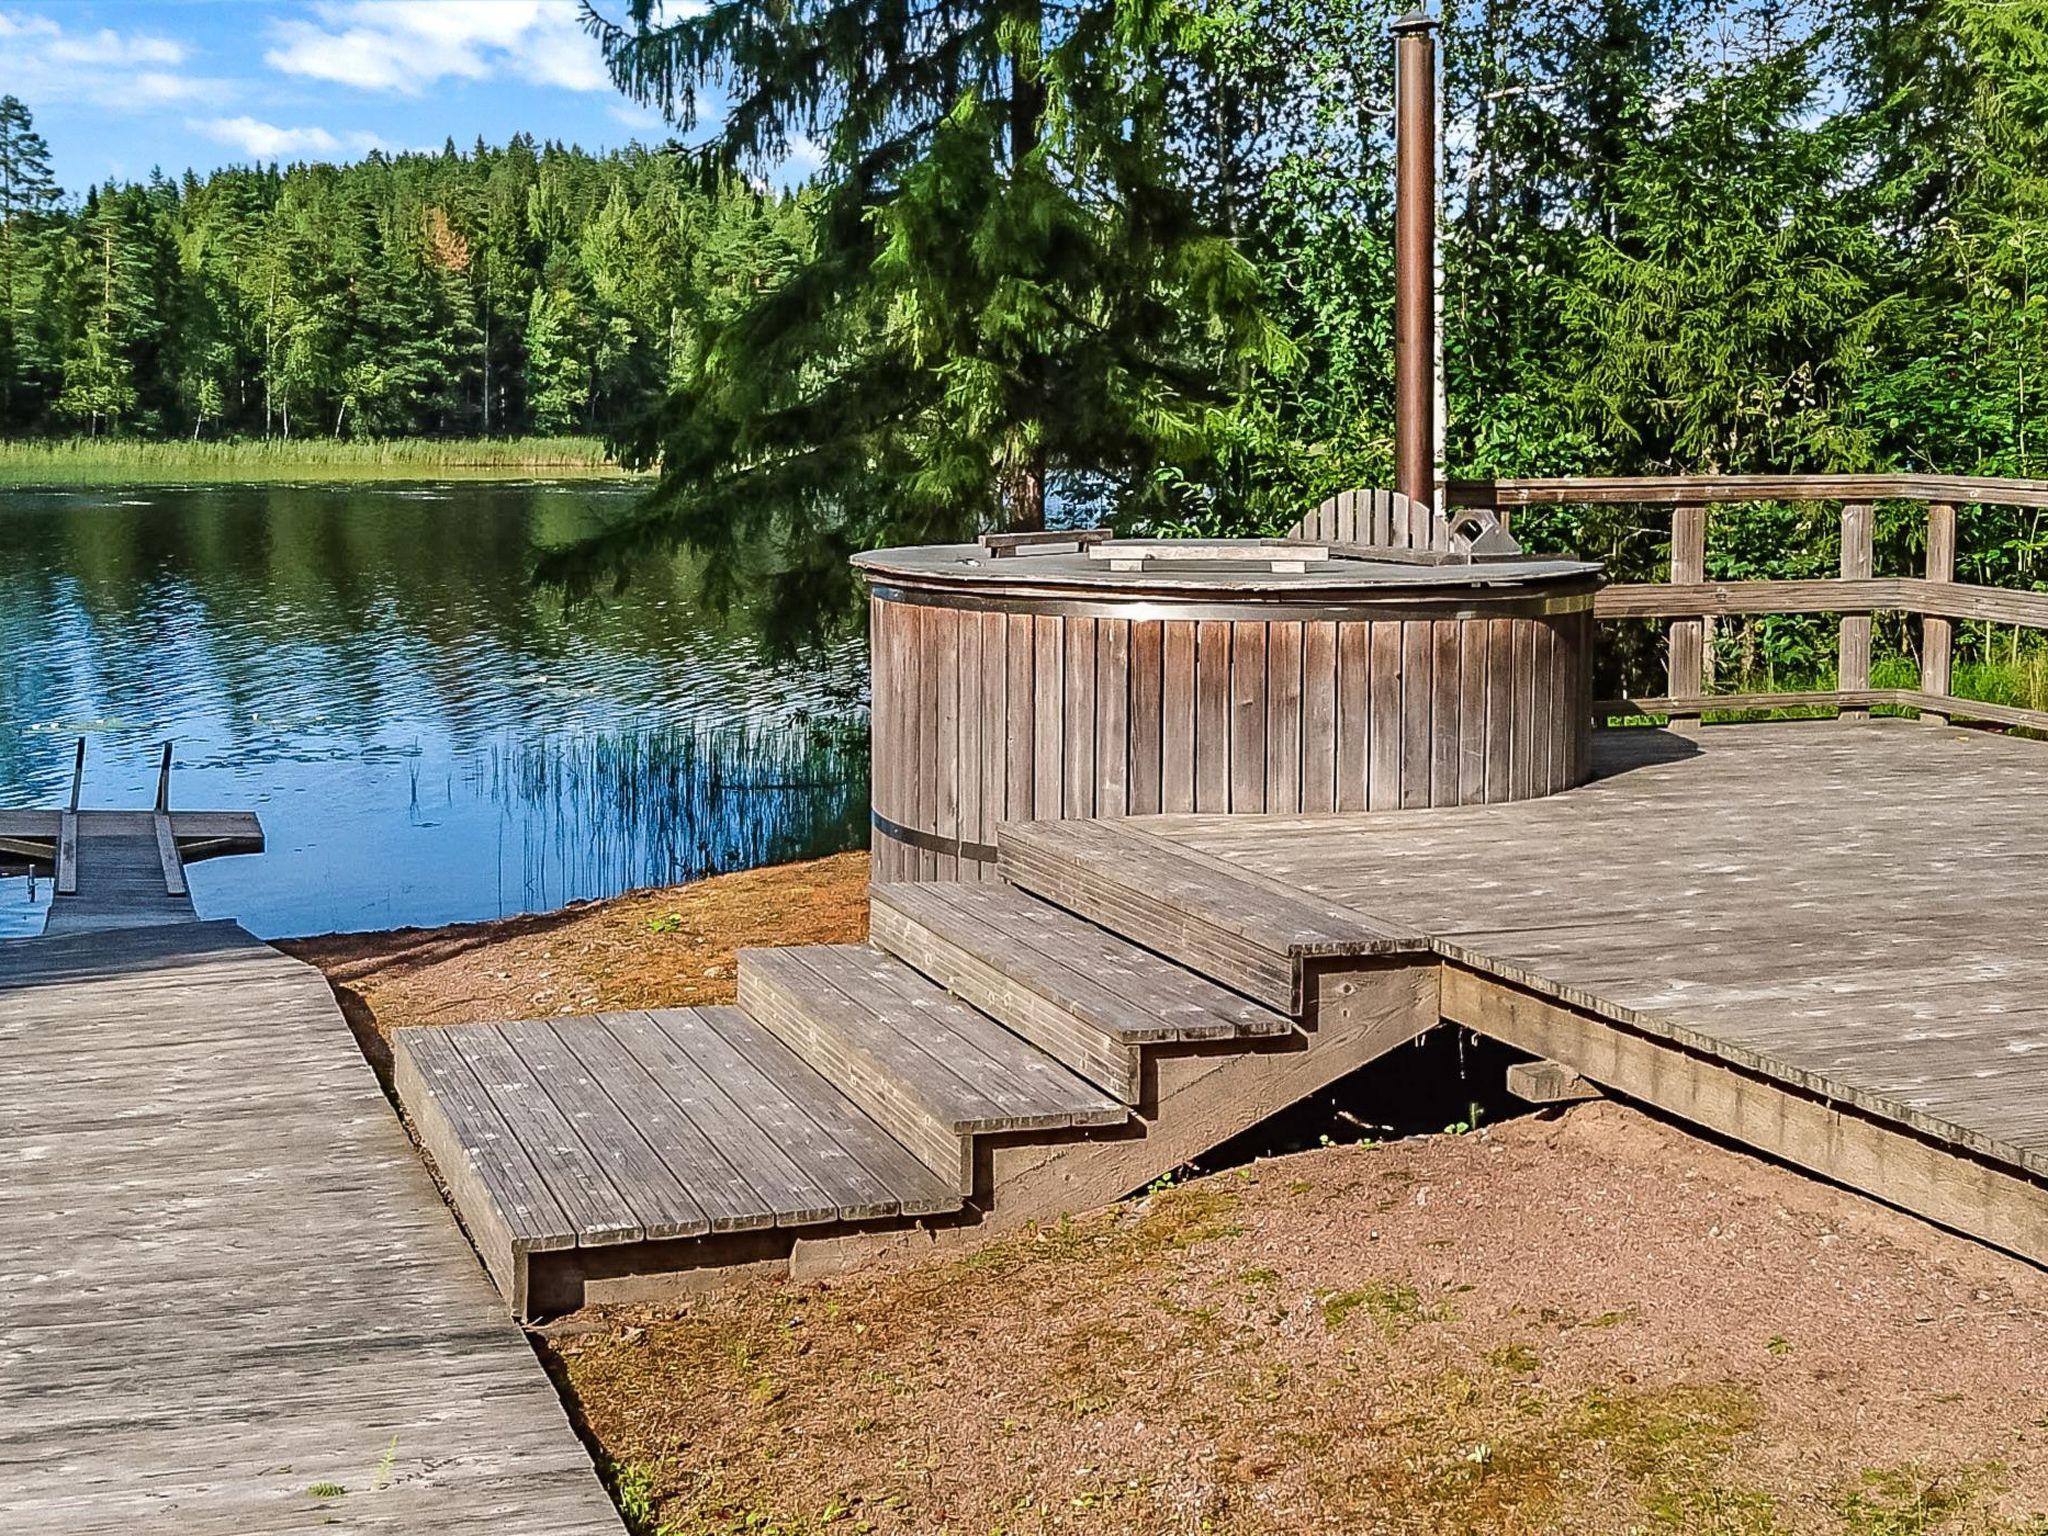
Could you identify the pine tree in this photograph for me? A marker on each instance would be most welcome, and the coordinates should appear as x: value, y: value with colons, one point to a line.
x: 558, y: 361
x: 1725, y: 325
x: 28, y: 195
x: 1009, y: 276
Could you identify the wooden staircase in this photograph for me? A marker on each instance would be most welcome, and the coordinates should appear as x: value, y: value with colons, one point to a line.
x: 997, y: 1054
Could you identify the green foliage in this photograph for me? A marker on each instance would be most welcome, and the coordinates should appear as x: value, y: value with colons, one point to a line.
x: 133, y: 460
x: 1136, y: 251
x: 1012, y: 276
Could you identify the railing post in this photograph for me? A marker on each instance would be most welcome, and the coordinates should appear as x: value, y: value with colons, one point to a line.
x: 1687, y: 651
x: 1852, y: 670
x: 1936, y: 633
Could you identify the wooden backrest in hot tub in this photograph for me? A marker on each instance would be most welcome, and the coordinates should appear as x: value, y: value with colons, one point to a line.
x: 1385, y: 518
x: 1389, y: 520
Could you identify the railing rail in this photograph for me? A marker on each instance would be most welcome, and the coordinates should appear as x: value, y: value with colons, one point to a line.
x: 1688, y: 600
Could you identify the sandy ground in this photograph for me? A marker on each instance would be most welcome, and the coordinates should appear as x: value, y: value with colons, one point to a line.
x: 1588, y: 1323
x: 668, y: 948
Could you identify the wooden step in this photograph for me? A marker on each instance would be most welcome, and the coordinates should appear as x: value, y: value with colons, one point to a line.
x: 932, y: 1070
x: 1073, y: 989
x: 1251, y: 933
x: 621, y: 1128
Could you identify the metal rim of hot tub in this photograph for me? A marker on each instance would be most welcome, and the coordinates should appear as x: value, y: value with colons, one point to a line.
x: 1267, y: 676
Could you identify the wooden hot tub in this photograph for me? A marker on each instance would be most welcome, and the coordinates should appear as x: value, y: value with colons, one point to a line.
x: 1017, y: 679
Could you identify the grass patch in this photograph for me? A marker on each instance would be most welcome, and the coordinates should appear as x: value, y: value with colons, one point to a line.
x: 2018, y: 679
x: 1516, y: 1359
x: 1671, y: 1432
x: 118, y: 461
x: 1388, y: 1303
x: 1913, y: 1500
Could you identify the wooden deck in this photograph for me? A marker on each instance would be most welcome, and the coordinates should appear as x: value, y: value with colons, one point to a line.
x: 231, y: 1299
x: 1852, y: 910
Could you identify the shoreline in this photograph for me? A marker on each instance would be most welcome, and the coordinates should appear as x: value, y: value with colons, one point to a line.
x: 657, y: 947
x: 59, y: 462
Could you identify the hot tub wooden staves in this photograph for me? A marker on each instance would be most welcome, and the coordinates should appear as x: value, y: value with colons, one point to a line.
x: 1111, y: 679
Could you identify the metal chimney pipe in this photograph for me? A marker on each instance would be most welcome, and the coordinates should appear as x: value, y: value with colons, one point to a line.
x: 1415, y: 257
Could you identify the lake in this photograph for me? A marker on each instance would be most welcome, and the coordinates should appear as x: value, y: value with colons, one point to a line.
x: 427, y: 737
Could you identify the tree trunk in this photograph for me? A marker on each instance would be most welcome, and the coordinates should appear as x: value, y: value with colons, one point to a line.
x: 487, y: 351
x: 1024, y: 495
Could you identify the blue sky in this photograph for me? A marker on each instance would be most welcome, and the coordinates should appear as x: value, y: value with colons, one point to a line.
x: 119, y: 86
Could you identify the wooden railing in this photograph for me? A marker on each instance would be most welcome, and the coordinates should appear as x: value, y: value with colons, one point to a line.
x: 1688, y: 600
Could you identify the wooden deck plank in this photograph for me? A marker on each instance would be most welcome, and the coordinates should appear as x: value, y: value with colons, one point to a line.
x: 167, y: 856
x: 901, y: 1047
x: 604, y: 1099
x: 740, y: 1184
x: 67, y: 854
x: 576, y: 1175
x: 767, y: 1137
x: 1229, y: 923
x: 912, y: 1188
x: 1127, y: 992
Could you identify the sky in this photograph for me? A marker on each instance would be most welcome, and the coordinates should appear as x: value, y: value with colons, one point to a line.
x: 119, y: 87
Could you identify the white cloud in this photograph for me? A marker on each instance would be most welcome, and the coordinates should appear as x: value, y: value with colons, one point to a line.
x: 267, y: 141
x: 635, y: 116
x: 407, y: 45
x: 118, y: 71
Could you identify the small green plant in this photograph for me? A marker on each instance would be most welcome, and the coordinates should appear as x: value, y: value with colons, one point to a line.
x: 668, y: 922
x: 1516, y: 1357
x: 1778, y: 1344
x: 325, y: 1491
x: 1908, y: 1500
x: 633, y: 1491
x: 1470, y: 1123
x: 1389, y: 1303
x: 385, y: 1463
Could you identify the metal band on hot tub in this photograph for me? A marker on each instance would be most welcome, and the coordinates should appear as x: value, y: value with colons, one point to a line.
x: 1025, y: 600
x: 932, y: 842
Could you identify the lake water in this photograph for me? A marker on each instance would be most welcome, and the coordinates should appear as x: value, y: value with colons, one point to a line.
x: 426, y: 736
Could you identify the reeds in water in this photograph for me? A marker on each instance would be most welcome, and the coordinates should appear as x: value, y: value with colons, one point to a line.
x: 613, y: 811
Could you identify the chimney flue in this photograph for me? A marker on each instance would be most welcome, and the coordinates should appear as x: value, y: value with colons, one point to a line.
x: 1415, y: 257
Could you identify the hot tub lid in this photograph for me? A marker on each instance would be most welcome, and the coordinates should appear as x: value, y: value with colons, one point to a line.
x: 1087, y: 561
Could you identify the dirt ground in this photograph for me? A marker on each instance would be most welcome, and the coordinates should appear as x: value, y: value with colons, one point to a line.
x: 1589, y: 1323
x: 669, y: 948
x: 1593, y: 1323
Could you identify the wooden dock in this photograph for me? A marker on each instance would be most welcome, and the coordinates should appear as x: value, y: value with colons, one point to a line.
x: 231, y: 1299
x: 1813, y: 938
